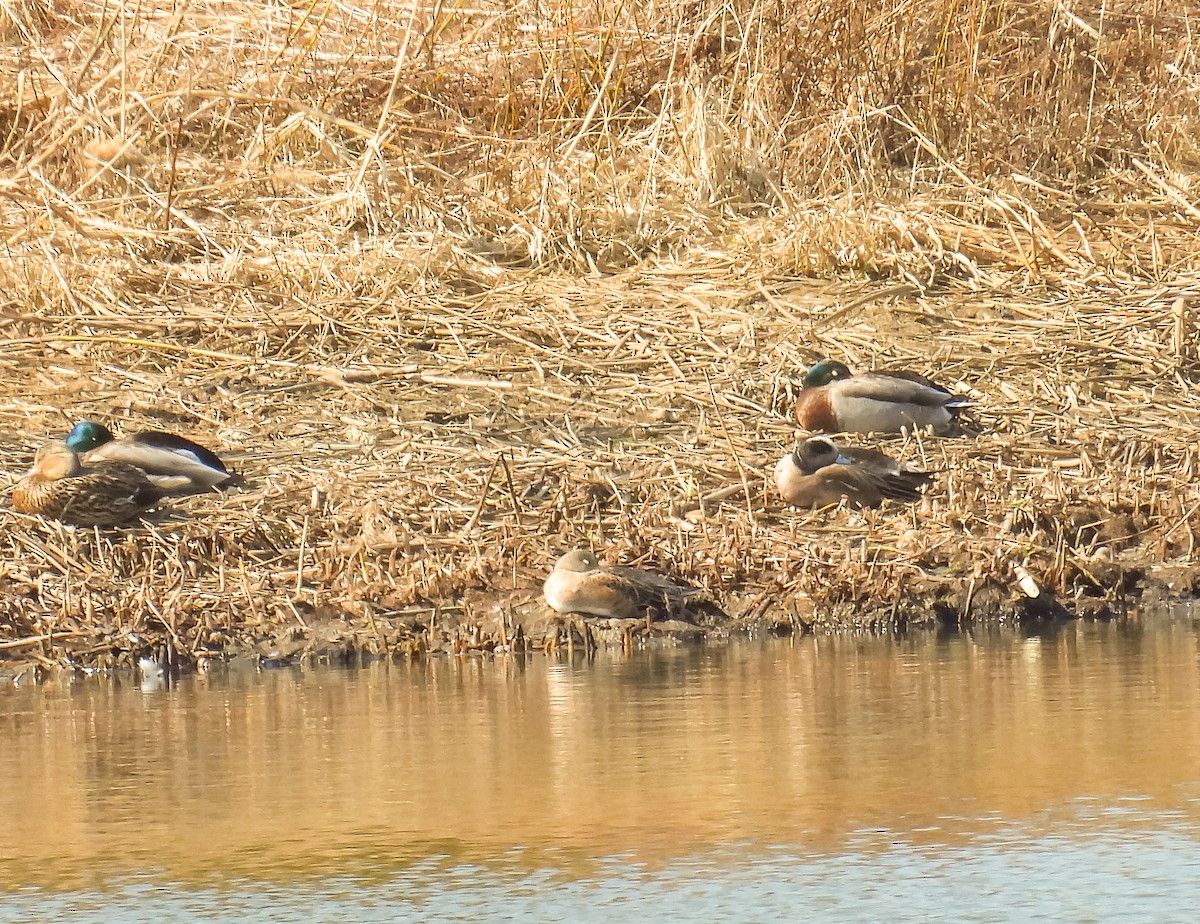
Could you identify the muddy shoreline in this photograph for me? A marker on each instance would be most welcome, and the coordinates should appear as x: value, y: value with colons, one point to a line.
x: 521, y: 623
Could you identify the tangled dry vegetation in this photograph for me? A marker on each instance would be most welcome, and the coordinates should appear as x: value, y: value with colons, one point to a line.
x: 458, y: 287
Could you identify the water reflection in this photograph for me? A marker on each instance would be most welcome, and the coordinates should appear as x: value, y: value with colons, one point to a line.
x: 813, y: 746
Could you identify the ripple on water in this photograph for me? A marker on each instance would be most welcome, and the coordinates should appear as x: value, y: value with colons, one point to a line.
x: 983, y: 776
x: 1151, y: 876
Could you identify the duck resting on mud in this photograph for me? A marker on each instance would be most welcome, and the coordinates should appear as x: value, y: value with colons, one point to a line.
x: 580, y: 584
x: 175, y: 464
x: 819, y: 474
x: 834, y: 401
x: 105, y: 494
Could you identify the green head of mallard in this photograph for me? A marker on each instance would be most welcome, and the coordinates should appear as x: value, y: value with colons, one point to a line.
x: 824, y: 372
x: 87, y: 435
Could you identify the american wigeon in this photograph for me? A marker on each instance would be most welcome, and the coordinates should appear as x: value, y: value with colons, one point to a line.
x: 818, y: 474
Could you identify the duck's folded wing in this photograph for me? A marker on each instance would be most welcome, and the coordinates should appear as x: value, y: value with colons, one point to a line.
x: 850, y: 481
x: 125, y: 484
x: 650, y: 589
x: 901, y: 388
x: 179, y: 465
x: 107, y: 497
x: 178, y: 444
x: 880, y: 461
x: 866, y: 485
x: 904, y: 485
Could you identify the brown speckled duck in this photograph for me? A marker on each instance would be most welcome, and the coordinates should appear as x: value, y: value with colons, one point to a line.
x: 105, y: 494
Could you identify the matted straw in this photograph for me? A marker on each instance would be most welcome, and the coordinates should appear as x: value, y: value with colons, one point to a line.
x: 459, y: 290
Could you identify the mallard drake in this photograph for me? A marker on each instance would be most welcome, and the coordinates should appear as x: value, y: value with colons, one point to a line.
x: 819, y: 474
x: 580, y: 584
x: 834, y: 401
x: 175, y: 464
x: 104, y: 494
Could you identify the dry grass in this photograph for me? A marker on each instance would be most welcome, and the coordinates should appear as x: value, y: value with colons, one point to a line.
x: 464, y: 287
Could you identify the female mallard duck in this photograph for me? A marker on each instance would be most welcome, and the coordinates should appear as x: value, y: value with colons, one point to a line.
x: 834, y: 401
x: 175, y: 464
x: 819, y: 474
x: 105, y: 494
x: 580, y: 584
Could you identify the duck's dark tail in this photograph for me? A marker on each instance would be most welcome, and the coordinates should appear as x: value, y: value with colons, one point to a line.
x: 904, y: 486
x: 235, y: 480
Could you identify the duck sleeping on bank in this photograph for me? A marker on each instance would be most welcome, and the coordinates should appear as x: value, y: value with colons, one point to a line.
x: 832, y: 400
x: 60, y: 486
x: 580, y: 584
x: 173, y: 463
x: 819, y: 474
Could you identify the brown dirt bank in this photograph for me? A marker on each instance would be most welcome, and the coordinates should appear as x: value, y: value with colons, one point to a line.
x: 416, y: 501
x: 461, y: 289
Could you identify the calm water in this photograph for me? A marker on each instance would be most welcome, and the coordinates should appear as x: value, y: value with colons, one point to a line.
x: 987, y: 777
